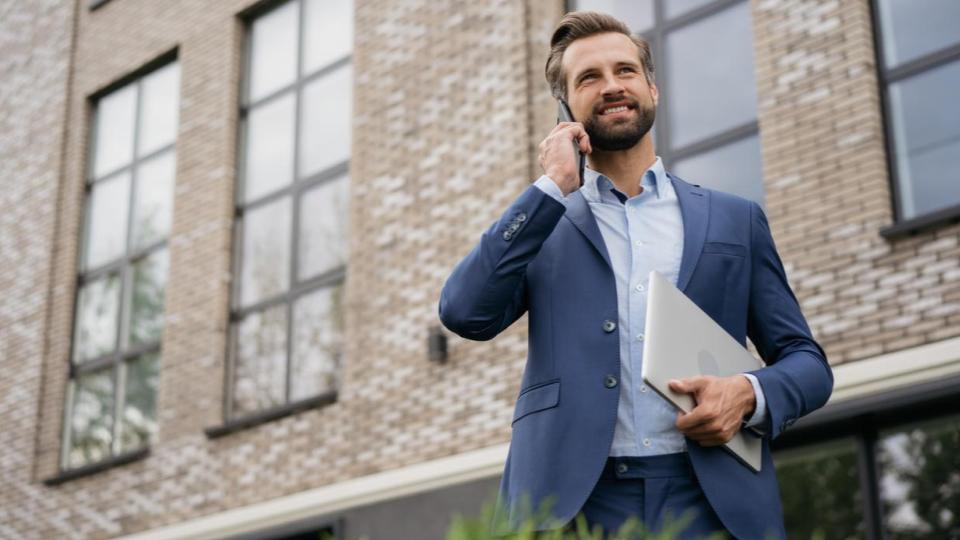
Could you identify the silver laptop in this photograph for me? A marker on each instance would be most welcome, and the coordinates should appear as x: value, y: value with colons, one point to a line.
x: 682, y: 341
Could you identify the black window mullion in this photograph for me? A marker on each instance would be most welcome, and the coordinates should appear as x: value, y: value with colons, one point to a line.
x: 869, y: 482
x: 295, y: 198
x: 657, y: 40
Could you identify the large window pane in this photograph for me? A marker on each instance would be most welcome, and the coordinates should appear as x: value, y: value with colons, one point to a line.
x: 269, y: 147
x: 273, y: 62
x: 160, y: 107
x: 116, y: 114
x: 261, y: 360
x: 138, y: 422
x: 146, y: 302
x: 820, y: 489
x: 325, y: 126
x: 637, y: 14
x: 328, y: 32
x: 266, y: 251
x: 926, y: 126
x: 152, y: 207
x: 324, y: 228
x: 317, y: 342
x: 107, y: 220
x: 92, y: 420
x: 96, y: 325
x: 710, y: 93
x: 913, y: 28
x: 679, y: 7
x: 733, y: 168
x: 920, y: 480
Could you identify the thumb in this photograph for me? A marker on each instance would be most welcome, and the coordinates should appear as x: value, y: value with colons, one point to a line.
x: 687, y: 386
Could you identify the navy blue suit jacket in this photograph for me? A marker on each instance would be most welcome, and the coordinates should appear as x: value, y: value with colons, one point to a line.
x: 549, y: 260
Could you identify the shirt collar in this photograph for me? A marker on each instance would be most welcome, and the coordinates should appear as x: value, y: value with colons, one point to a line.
x: 599, y: 188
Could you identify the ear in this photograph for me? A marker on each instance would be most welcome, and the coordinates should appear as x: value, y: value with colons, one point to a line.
x: 655, y: 93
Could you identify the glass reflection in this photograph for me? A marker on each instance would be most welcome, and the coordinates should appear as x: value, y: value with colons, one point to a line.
x: 269, y: 148
x: 926, y: 124
x: 138, y: 423
x: 679, y: 7
x: 820, y: 489
x: 260, y: 375
x: 96, y: 325
x: 107, y: 210
x: 116, y: 115
x: 920, y: 480
x: 326, y: 125
x: 911, y: 29
x: 317, y: 342
x: 710, y: 93
x: 733, y: 168
x: 153, y: 200
x: 265, y: 269
x: 324, y: 228
x: 91, y: 422
x: 146, y: 303
x: 328, y: 32
x: 160, y: 108
x: 637, y: 14
x: 273, y: 62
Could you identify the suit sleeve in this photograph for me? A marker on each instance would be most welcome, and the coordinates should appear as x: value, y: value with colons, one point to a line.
x: 797, y: 379
x: 486, y: 292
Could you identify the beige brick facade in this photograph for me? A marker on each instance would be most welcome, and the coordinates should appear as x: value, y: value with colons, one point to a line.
x: 449, y: 105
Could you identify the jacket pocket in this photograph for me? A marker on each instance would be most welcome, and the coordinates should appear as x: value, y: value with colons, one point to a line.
x: 724, y: 248
x: 537, y: 398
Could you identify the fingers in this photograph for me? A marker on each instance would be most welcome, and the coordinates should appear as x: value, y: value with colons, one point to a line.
x: 574, y: 131
x: 692, y: 385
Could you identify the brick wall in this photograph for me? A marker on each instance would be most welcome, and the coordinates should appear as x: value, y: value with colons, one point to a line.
x: 449, y: 106
x: 828, y: 187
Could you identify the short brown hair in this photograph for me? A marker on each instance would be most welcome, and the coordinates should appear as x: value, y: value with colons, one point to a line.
x: 580, y: 24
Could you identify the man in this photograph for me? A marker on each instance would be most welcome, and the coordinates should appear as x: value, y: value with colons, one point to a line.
x: 587, y: 433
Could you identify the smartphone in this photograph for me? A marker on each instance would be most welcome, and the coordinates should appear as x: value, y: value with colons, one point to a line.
x: 564, y: 115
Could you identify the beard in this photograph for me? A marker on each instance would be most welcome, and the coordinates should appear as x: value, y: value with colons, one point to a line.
x: 620, y: 136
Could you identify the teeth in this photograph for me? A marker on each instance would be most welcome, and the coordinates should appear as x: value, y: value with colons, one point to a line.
x: 615, y: 109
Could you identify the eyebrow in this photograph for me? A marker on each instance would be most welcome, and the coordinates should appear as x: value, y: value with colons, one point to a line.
x: 621, y: 63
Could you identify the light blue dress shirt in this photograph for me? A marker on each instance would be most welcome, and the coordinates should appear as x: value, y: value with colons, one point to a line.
x: 641, y: 233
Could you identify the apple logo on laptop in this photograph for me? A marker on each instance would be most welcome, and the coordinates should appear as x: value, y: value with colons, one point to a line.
x: 707, y: 363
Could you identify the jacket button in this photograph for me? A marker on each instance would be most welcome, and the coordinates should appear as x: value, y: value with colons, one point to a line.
x: 513, y: 227
x: 521, y: 217
x: 609, y: 326
x: 507, y: 235
x: 610, y: 381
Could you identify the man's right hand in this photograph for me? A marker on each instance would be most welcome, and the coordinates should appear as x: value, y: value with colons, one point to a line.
x: 557, y: 158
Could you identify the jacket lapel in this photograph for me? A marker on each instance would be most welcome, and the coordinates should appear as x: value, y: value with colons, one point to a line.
x: 695, y: 210
x: 578, y: 212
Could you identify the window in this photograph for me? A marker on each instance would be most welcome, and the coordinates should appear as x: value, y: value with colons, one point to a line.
x: 918, y: 44
x: 291, y: 217
x: 877, y: 479
x: 706, y: 129
x: 123, y: 270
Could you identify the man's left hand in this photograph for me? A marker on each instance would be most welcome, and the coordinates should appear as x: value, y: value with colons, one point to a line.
x: 722, y: 403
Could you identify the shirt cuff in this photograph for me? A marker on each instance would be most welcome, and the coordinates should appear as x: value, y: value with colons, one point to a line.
x: 760, y: 411
x: 548, y: 186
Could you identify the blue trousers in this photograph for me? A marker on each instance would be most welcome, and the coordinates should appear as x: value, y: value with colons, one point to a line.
x: 658, y: 490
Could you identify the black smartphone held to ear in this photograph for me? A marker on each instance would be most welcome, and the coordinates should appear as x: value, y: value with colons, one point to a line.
x: 564, y: 115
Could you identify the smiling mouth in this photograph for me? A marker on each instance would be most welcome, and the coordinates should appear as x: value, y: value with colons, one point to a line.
x: 614, y: 110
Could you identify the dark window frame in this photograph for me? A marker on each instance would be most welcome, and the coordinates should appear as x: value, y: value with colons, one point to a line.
x: 656, y: 35
x: 885, y: 77
x: 295, y: 191
x: 864, y: 419
x: 121, y: 267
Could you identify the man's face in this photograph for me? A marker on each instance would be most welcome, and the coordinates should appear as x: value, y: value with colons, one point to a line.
x: 608, y: 92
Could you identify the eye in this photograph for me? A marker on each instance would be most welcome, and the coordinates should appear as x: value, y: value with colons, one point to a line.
x: 627, y: 69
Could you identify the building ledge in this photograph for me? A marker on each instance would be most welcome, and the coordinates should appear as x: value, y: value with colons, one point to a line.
x: 100, y: 466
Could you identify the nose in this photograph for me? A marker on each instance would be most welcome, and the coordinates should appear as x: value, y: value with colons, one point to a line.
x: 611, y: 85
